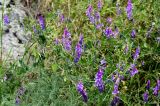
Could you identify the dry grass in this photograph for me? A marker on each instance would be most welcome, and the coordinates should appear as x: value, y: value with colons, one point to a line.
x: 37, y: 6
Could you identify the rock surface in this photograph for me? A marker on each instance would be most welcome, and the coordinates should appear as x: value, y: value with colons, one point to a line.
x: 14, y: 36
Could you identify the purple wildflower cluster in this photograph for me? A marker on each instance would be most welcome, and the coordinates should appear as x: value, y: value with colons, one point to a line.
x: 115, y: 101
x: 129, y: 9
x: 82, y: 91
x: 156, y: 88
x: 20, y: 92
x: 108, y: 32
x: 145, y: 96
x: 109, y: 20
x: 41, y: 21
x: 136, y: 54
x: 78, y: 49
x: 133, y: 33
x: 66, y: 40
x: 94, y: 16
x: 61, y: 17
x: 126, y: 49
x: 133, y: 70
x: 6, y: 20
x: 99, y: 5
x: 99, y: 80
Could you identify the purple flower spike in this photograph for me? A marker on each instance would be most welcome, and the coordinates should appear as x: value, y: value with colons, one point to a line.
x: 78, y: 49
x: 99, y: 81
x: 126, y: 49
x: 148, y: 84
x: 99, y: 5
x: 109, y: 20
x: 17, y: 102
x: 108, y: 32
x: 155, y: 90
x: 115, y: 91
x: 136, y: 54
x: 129, y: 9
x: 66, y: 40
x: 133, y: 70
x: 116, y: 32
x: 133, y: 33
x: 92, y: 19
x: 6, y: 20
x: 89, y: 11
x: 21, y: 91
x: 97, y: 16
x: 61, y: 18
x: 34, y: 29
x: 99, y: 26
x: 82, y: 91
x: 145, y: 96
x: 56, y: 41
x: 115, y: 101
x: 41, y: 22
x: 103, y: 64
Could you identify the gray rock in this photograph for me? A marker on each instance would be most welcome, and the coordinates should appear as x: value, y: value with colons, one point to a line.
x: 14, y: 37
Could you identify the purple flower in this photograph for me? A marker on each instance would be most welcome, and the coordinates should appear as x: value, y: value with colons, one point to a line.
x: 99, y: 26
x: 126, y: 49
x: 56, y: 41
x: 115, y: 33
x: 21, y: 91
x: 155, y: 90
x: 109, y: 20
x: 136, y: 54
x: 89, y: 11
x: 103, y: 64
x: 129, y: 9
x: 133, y: 33
x: 142, y: 63
x: 78, y: 49
x: 99, y: 5
x: 82, y: 91
x: 92, y: 19
x: 34, y: 29
x: 115, y: 101
x: 97, y: 16
x: 148, y: 85
x: 145, y: 96
x: 61, y: 18
x: 133, y: 70
x: 17, y: 102
x: 66, y: 40
x: 6, y: 20
x: 115, y: 91
x: 99, y: 81
x: 41, y: 22
x: 108, y: 32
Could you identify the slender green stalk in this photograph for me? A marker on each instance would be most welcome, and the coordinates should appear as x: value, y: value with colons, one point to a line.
x: 2, y: 31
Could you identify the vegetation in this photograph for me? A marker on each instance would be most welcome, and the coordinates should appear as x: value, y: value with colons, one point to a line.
x: 95, y: 53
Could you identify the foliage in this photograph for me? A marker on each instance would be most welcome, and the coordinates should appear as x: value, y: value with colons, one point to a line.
x: 48, y: 72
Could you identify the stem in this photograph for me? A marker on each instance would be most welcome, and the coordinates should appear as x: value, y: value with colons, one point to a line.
x: 2, y: 32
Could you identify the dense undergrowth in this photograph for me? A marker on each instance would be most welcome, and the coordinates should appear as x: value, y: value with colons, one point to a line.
x: 115, y: 55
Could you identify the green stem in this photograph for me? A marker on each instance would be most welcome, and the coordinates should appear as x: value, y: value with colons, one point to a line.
x: 2, y: 31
